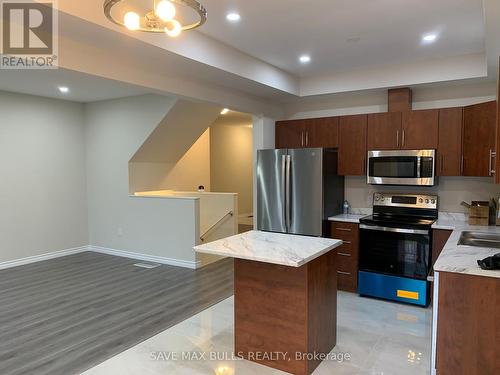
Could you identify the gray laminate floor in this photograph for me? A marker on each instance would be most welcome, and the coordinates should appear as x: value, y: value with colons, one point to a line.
x: 65, y: 315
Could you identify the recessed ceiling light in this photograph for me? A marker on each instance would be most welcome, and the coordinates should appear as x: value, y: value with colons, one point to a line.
x: 224, y: 111
x: 233, y: 17
x: 429, y: 38
x: 353, y: 39
x: 304, y: 59
x: 63, y: 89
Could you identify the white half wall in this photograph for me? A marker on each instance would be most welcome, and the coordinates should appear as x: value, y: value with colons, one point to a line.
x: 43, y: 192
x: 115, y: 130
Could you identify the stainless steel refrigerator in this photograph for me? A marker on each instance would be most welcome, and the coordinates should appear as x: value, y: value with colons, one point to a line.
x: 297, y: 190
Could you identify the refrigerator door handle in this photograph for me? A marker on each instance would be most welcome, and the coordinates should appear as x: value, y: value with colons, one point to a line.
x: 283, y: 181
x: 287, y: 193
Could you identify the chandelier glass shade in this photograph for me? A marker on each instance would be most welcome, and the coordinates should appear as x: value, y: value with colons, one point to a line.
x: 169, y: 17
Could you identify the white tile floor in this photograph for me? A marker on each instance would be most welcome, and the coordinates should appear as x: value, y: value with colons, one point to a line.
x: 381, y: 337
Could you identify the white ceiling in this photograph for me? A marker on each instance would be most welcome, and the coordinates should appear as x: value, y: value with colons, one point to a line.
x: 83, y: 87
x: 389, y: 31
x: 253, y: 65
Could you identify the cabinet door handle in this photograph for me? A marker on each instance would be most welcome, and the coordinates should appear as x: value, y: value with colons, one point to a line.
x: 301, y: 139
x: 344, y: 229
x: 404, y: 136
x: 397, y: 138
x: 307, y: 138
x: 344, y: 254
x: 442, y: 164
x: 462, y: 165
x: 347, y: 242
x: 491, y: 171
x: 343, y: 273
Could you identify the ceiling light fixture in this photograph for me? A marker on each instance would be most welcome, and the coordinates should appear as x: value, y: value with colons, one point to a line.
x: 224, y: 111
x: 233, y: 17
x: 160, y: 18
x: 429, y: 38
x: 304, y: 59
x: 63, y: 89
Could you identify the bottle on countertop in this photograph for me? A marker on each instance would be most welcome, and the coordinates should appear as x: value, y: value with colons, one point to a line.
x: 346, y: 207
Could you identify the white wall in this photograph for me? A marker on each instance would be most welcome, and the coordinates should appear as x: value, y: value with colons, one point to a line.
x: 115, y: 130
x: 231, y: 162
x: 263, y: 138
x: 451, y: 190
x: 373, y: 101
x: 191, y: 171
x: 43, y: 193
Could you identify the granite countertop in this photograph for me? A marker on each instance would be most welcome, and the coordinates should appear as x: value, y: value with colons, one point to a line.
x: 459, y: 258
x: 277, y: 248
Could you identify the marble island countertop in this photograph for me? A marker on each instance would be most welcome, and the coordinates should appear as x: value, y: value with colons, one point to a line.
x: 277, y: 248
x: 459, y: 258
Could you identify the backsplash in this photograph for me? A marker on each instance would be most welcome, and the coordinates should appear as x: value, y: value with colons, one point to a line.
x: 451, y: 191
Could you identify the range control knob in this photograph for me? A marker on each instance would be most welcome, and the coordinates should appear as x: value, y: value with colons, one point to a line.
x: 377, y: 198
x: 433, y: 201
x: 427, y: 201
x: 420, y: 200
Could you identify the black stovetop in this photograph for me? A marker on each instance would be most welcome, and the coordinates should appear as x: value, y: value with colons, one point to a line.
x: 408, y: 222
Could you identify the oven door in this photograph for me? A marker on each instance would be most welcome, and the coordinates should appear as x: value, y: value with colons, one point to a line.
x: 401, y: 167
x: 395, y: 251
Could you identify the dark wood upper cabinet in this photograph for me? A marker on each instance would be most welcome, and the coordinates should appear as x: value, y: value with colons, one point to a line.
x: 449, y: 158
x: 322, y: 132
x: 352, y: 145
x: 289, y: 134
x: 317, y: 132
x: 384, y: 131
x: 479, y: 139
x: 420, y: 129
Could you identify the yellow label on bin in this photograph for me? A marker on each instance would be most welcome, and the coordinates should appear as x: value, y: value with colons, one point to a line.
x: 407, y: 294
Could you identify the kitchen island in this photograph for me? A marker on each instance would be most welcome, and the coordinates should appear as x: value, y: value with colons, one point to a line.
x: 285, y: 292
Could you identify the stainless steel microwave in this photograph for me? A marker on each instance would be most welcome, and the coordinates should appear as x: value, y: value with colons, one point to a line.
x: 402, y: 167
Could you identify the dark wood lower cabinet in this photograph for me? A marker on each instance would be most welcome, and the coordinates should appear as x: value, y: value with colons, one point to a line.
x: 347, y: 255
x: 439, y: 239
x: 468, y: 330
x: 286, y: 309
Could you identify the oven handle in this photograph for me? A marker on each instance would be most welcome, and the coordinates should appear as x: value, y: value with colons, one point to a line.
x: 396, y: 230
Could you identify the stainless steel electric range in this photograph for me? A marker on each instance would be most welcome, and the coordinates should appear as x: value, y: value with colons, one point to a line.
x: 396, y: 248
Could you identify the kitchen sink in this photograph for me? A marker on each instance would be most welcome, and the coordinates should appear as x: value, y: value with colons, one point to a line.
x: 480, y: 239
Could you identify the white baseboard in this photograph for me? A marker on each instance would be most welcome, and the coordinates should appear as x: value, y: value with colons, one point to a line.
x: 42, y: 257
x: 147, y: 258
x: 103, y: 250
